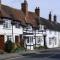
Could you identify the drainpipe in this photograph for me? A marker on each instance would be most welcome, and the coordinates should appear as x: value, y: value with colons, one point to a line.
x: 35, y: 37
x: 12, y: 33
x: 45, y: 40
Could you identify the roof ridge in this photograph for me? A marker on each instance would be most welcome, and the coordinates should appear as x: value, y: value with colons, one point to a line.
x: 9, y: 6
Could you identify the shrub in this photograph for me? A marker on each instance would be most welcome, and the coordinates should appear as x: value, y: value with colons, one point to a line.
x: 17, y: 48
x: 8, y: 46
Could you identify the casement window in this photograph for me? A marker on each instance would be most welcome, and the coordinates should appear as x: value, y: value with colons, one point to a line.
x: 55, y: 40
x: 27, y: 38
x: 29, y: 27
x: 9, y: 37
x: 50, y: 41
x: 41, y: 27
x: 17, y: 25
x: 7, y: 24
x: 39, y: 39
x: 30, y: 40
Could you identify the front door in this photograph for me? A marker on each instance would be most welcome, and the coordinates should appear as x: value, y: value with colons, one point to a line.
x: 29, y: 43
x: 16, y: 39
x: 2, y: 42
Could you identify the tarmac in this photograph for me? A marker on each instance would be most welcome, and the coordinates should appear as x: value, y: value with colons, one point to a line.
x: 6, y: 56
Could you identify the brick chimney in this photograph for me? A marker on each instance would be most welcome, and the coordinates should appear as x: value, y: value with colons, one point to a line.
x: 37, y: 11
x: 55, y: 18
x: 24, y: 7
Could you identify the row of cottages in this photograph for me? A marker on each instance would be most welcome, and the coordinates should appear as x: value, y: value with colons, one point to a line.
x: 22, y: 25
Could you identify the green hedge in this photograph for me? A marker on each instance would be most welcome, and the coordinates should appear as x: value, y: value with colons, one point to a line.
x: 8, y: 46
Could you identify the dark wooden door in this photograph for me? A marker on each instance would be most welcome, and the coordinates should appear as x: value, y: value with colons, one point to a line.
x: 2, y: 42
x: 16, y: 39
x: 21, y: 41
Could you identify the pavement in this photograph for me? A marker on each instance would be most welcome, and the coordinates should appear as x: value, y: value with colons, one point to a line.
x: 9, y: 55
x: 6, y: 56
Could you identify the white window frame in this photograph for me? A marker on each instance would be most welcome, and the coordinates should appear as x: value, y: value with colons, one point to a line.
x: 50, y: 41
x: 39, y: 39
x: 30, y: 40
x: 7, y: 24
x: 41, y: 27
x: 9, y: 37
x: 17, y: 25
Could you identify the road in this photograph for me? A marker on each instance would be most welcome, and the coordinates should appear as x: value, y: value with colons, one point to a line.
x: 46, y: 55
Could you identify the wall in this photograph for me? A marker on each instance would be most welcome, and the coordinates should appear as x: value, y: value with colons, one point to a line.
x: 50, y: 34
x: 8, y: 31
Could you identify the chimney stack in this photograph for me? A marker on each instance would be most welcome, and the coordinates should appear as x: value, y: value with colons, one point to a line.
x: 37, y: 11
x: 55, y: 18
x: 50, y: 16
x: 24, y: 7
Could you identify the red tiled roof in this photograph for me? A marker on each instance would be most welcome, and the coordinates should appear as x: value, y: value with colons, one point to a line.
x: 18, y: 15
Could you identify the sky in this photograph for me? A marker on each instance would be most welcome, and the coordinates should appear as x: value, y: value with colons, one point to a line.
x: 45, y: 6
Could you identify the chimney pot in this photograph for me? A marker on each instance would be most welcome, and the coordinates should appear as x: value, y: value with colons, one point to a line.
x: 55, y: 17
x: 37, y: 11
x: 50, y: 16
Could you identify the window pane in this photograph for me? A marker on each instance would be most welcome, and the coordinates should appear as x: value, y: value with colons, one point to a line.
x: 31, y: 39
x: 9, y: 37
x: 50, y: 41
x: 55, y: 40
x: 17, y: 25
x: 7, y: 24
x: 27, y: 38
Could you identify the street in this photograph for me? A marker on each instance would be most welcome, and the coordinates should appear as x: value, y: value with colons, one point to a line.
x: 47, y: 55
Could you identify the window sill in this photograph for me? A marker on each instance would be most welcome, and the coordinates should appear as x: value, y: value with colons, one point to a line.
x: 8, y: 28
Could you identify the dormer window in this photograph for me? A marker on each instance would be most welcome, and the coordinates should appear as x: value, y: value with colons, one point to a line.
x: 7, y: 24
x: 29, y: 27
x: 17, y: 25
x: 41, y: 27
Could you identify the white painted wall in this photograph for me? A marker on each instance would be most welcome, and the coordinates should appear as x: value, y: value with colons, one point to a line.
x: 50, y: 33
x: 18, y: 31
x: 8, y: 31
x: 59, y: 39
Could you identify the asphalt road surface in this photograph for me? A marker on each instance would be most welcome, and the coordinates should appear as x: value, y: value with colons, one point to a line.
x: 46, y: 55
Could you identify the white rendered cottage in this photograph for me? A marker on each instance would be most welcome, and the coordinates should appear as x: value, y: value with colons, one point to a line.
x: 47, y: 33
x: 35, y: 31
x: 10, y: 31
x: 13, y: 21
